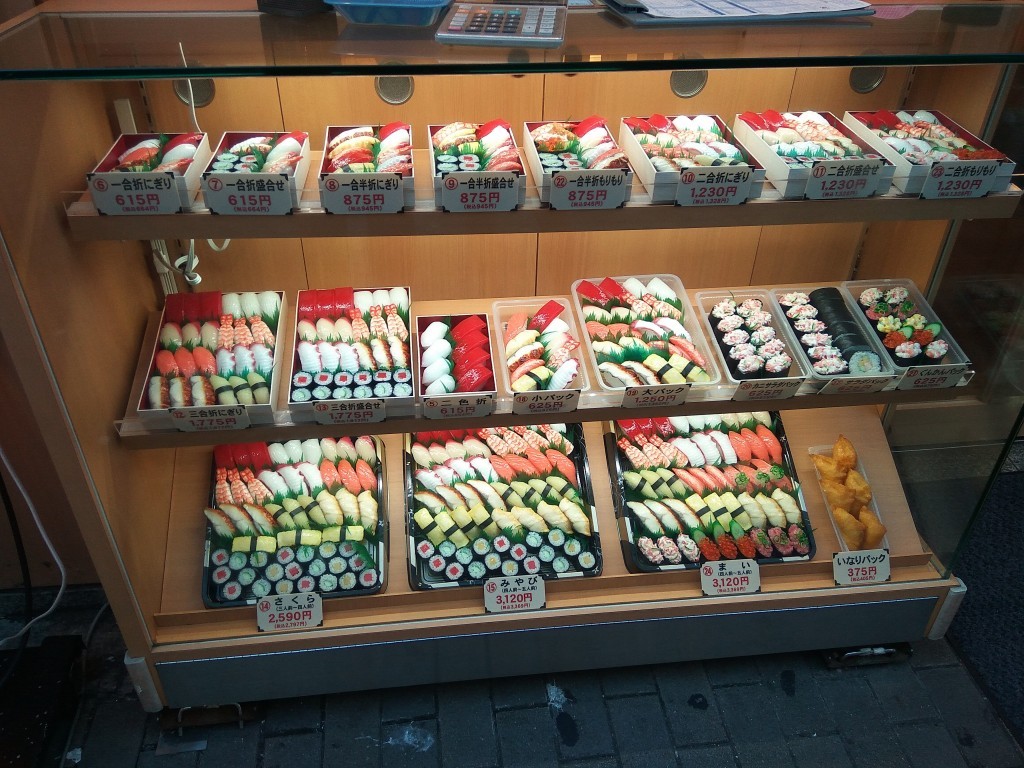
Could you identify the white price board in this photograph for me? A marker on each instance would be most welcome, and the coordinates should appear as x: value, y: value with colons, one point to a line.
x: 855, y: 385
x: 248, y: 194
x: 362, y: 192
x: 960, y: 179
x: 126, y: 194
x: 556, y: 401
x: 514, y: 594
x: 349, y: 411
x: 458, y: 406
x: 843, y: 179
x: 210, y: 419
x: 865, y: 567
x: 655, y: 396
x: 277, y: 613
x: 588, y: 190
x: 727, y: 185
x: 777, y: 389
x: 730, y: 577
x: 463, y: 191
x: 932, y: 377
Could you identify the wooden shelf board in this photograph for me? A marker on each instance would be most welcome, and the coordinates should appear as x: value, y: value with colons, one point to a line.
x: 400, y: 609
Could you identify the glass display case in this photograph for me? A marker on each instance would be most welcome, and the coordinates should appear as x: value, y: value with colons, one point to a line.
x: 81, y: 295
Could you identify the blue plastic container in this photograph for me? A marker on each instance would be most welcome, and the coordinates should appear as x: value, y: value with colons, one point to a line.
x: 405, y: 13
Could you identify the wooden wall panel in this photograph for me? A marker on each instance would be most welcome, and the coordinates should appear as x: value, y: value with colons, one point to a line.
x: 902, y: 249
x: 808, y: 253
x: 239, y: 104
x: 829, y: 90
x: 448, y: 267
x: 252, y: 265
x: 702, y: 258
x: 965, y: 93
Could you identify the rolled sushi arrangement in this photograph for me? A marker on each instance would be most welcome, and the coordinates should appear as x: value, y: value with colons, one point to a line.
x: 539, y: 350
x: 351, y: 345
x: 586, y: 145
x: 922, y: 138
x: 270, y: 153
x: 300, y: 516
x: 910, y: 337
x: 455, y: 354
x: 162, y: 154
x: 214, y: 349
x: 364, y: 149
x: 704, y: 488
x: 683, y: 142
x: 500, y: 502
x: 801, y: 139
x: 636, y: 333
x: 746, y: 333
x: 829, y: 333
x: 475, y: 147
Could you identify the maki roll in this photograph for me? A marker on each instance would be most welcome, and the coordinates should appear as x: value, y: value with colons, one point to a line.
x: 481, y: 547
x: 362, y: 378
x: 301, y: 396
x: 476, y: 570
x: 316, y: 568
x: 328, y: 550
x: 292, y: 571
x: 546, y: 553
x: 342, y: 393
x: 259, y: 559
x: 446, y: 549
x: 322, y: 379
x: 426, y: 550
x: 556, y: 537
x: 285, y: 555
x: 328, y: 582
x: 231, y: 591
x: 275, y: 572
x: 572, y: 547
x: 778, y: 365
x: 402, y: 376
x: 284, y: 587
x: 750, y: 367
x: 383, y: 389
x: 436, y: 563
x: 403, y: 390
x: 342, y: 378
x: 534, y: 539
x: 865, y: 362
x: 518, y: 552
x: 501, y: 544
x: 220, y: 575
x: 337, y: 565
x: 587, y: 560
x: 347, y: 581
x: 464, y: 555
x: 368, y: 578
x: 346, y: 549
x: 936, y: 350
x: 302, y: 380
x: 238, y: 560
x: 492, y: 560
x: 531, y: 565
x: 560, y: 565
x: 306, y: 584
x: 357, y: 562
x: 454, y: 571
x: 362, y: 392
x: 261, y: 588
x: 322, y: 393
x: 509, y: 568
x: 305, y: 554
x: 219, y: 557
x: 246, y: 576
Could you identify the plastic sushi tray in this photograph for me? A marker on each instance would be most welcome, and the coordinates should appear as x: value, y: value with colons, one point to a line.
x: 336, y: 562
x: 717, y: 489
x: 826, y: 450
x: 464, y: 544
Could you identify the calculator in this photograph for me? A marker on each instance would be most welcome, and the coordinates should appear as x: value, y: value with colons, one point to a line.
x: 539, y: 25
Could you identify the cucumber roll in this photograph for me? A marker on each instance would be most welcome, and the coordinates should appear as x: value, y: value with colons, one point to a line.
x: 259, y: 559
x: 492, y: 560
x: 402, y: 390
x: 362, y: 392
x: 219, y: 557
x: 300, y: 396
x: 368, y: 578
x: 531, y: 565
x: 560, y: 565
x: 284, y: 587
x: 546, y: 553
x: 275, y: 572
x: 476, y: 570
x: 347, y: 581
x: 238, y: 561
x: 337, y: 565
x: 510, y: 568
x: 342, y: 393
x: 454, y: 571
x: 464, y: 555
x: 246, y: 576
x: 481, y: 547
x: 328, y: 582
x: 328, y: 550
x: 260, y: 588
x: 446, y: 549
x: 587, y: 560
x: 305, y: 554
x: 316, y: 568
x: 231, y: 591
x: 572, y: 547
x: 221, y: 575
x: 556, y: 537
x: 306, y: 584
x: 534, y: 539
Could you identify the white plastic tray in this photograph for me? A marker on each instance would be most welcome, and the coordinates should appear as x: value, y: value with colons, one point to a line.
x: 826, y: 450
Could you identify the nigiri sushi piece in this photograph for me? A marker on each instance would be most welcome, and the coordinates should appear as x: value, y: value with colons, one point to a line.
x: 170, y: 336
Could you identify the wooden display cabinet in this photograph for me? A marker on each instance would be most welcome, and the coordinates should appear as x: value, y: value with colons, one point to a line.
x: 77, y: 291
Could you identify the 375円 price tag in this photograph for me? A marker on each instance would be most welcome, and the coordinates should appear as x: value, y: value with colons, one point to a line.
x: 867, y: 566
x: 276, y: 613
x: 730, y: 577
x: 514, y: 594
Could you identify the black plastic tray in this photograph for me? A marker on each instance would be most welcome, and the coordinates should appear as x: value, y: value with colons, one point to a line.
x: 377, y: 550
x: 421, y: 577
x: 637, y: 563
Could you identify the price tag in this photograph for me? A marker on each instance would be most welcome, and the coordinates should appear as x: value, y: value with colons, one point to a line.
x: 200, y: 419
x: 588, y: 190
x: 463, y: 191
x: 865, y: 567
x: 726, y: 185
x: 855, y: 385
x: 362, y: 192
x: 843, y: 179
x: 777, y: 389
x: 513, y: 594
x: 458, y: 406
x: 126, y: 194
x: 655, y: 396
x: 248, y: 194
x: 932, y: 377
x: 280, y: 612
x: 730, y: 577
x: 963, y: 178
x: 349, y: 412
x: 557, y: 401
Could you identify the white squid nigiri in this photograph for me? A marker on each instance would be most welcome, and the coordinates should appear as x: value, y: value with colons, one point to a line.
x: 230, y: 304
x: 249, y: 303
x: 270, y: 304
x: 294, y: 450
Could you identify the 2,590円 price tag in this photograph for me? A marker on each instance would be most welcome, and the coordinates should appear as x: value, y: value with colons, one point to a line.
x: 277, y: 613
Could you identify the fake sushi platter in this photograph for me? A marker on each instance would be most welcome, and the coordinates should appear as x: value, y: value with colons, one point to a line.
x: 301, y: 516
x: 920, y: 347
x: 813, y: 155
x: 367, y: 169
x: 211, y: 366
x: 696, y: 489
x: 540, y: 356
x: 476, y: 167
x: 755, y: 345
x: 455, y: 364
x: 577, y: 165
x: 146, y: 173
x: 933, y: 156
x: 644, y: 341
x: 690, y: 160
x: 499, y: 502
x: 352, y: 360
x: 848, y: 497
x: 834, y: 344
x: 257, y: 173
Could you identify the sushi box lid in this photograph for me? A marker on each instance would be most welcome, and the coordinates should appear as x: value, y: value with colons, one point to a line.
x: 826, y: 450
x: 215, y: 183
x: 792, y: 180
x: 613, y: 396
x: 167, y: 418
x: 455, y: 404
x: 663, y: 186
x: 543, y: 180
x: 164, y: 192
x: 550, y: 400
x: 909, y: 177
x: 439, y: 176
x: 333, y: 183
x: 366, y: 409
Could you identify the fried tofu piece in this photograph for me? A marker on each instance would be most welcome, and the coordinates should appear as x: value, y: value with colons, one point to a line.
x: 861, y: 488
x: 827, y: 468
x: 850, y: 528
x: 874, y: 531
x: 844, y: 454
x: 838, y: 495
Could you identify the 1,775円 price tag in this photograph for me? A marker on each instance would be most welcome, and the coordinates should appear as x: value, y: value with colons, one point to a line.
x: 730, y: 577
x: 215, y: 419
x: 865, y: 567
x: 280, y: 612
x: 512, y: 594
x: 349, y: 411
